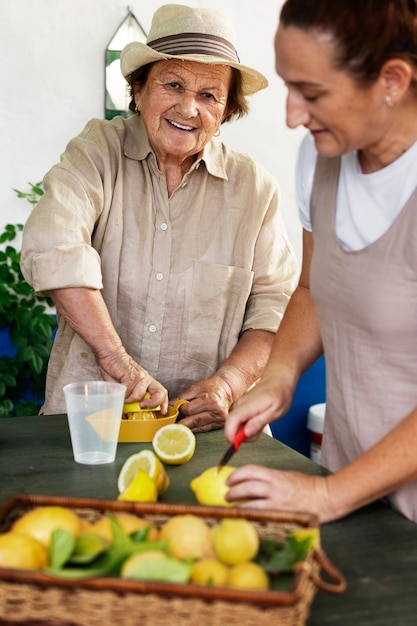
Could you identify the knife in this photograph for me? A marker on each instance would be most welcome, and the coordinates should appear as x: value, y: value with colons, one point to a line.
x: 239, y: 438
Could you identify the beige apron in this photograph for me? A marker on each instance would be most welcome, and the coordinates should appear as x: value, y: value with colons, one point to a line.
x: 367, y: 305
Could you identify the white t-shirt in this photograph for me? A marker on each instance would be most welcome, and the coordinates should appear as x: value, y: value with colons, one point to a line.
x: 367, y: 204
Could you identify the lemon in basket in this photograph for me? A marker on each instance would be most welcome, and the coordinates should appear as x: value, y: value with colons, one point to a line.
x: 22, y: 552
x: 235, y: 540
x: 248, y: 575
x: 209, y: 572
x: 188, y: 537
x: 141, y: 489
x: 42, y: 521
x: 128, y: 522
x: 150, y: 463
x: 174, y: 444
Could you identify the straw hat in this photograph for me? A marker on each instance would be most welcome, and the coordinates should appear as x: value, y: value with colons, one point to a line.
x: 181, y: 32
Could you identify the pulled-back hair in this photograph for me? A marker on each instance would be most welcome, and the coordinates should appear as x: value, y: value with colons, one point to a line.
x: 365, y: 33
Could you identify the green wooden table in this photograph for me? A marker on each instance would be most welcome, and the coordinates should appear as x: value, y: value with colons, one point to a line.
x: 375, y: 548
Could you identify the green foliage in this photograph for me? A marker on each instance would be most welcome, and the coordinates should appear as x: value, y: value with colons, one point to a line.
x: 30, y: 326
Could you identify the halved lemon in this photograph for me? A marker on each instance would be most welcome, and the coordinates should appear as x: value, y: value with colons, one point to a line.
x: 174, y: 444
x: 150, y: 463
x: 135, y: 411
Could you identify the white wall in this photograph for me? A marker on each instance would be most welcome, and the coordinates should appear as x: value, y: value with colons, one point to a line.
x: 52, y: 69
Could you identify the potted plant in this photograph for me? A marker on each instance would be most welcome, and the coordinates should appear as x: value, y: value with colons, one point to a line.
x: 27, y: 327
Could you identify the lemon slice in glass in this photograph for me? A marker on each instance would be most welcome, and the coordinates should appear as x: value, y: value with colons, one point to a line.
x: 150, y: 463
x: 174, y: 444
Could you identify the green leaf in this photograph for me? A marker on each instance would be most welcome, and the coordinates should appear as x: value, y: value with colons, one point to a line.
x: 141, y: 534
x: 109, y: 562
x: 61, y: 548
x: 275, y: 557
x: 278, y: 558
x: 8, y: 379
x: 36, y: 363
x: 44, y: 329
x: 87, y: 548
x: 26, y: 353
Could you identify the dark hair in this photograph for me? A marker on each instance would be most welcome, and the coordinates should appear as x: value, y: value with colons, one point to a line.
x: 366, y: 33
x: 237, y: 104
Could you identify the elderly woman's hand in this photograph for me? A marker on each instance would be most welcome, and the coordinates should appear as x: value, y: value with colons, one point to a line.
x: 209, y: 403
x: 119, y: 366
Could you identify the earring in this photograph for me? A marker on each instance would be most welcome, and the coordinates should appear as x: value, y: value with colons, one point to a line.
x: 217, y: 133
x: 388, y: 100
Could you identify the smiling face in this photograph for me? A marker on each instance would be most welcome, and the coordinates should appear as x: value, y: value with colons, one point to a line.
x: 182, y: 105
x: 341, y: 114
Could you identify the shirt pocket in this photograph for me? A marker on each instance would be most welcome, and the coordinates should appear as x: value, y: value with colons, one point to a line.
x: 216, y: 311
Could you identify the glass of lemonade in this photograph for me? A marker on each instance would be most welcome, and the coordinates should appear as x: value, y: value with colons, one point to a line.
x: 94, y: 410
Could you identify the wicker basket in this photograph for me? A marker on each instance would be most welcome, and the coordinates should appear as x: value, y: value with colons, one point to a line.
x: 35, y: 597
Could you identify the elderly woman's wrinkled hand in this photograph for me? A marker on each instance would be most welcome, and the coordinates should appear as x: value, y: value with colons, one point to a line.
x: 209, y: 403
x: 121, y: 367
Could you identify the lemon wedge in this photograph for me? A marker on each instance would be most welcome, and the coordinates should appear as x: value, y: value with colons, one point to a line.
x: 150, y: 463
x: 174, y: 444
x: 105, y: 423
x: 141, y: 489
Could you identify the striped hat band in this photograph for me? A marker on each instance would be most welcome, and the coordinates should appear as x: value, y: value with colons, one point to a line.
x: 195, y: 43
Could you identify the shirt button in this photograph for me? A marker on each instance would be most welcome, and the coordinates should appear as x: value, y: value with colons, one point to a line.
x: 164, y: 226
x: 159, y: 276
x: 183, y: 185
x: 152, y: 328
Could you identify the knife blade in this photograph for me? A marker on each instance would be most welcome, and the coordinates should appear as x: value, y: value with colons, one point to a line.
x: 239, y: 438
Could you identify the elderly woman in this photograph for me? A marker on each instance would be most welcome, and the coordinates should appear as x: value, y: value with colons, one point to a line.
x: 163, y: 249
x: 357, y: 294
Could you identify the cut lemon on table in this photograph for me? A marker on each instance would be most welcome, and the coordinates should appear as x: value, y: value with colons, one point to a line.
x: 150, y: 463
x: 141, y: 489
x: 174, y: 444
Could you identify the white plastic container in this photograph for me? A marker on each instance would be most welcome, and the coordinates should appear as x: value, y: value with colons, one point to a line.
x: 315, y: 423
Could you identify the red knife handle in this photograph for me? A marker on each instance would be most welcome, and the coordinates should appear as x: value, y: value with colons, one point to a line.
x: 240, y: 437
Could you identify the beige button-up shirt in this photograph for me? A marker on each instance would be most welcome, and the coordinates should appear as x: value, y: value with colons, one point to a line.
x: 182, y: 276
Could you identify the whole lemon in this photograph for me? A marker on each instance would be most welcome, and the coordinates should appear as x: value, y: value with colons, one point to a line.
x: 189, y: 537
x: 128, y: 522
x: 210, y: 488
x: 235, y: 541
x: 41, y: 522
x: 248, y: 575
x: 22, y: 552
x: 209, y: 572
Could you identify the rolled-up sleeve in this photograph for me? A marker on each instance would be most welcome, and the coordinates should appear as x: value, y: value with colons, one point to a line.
x: 57, y: 249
